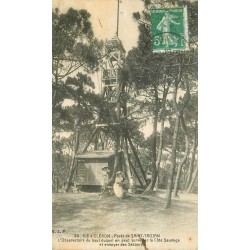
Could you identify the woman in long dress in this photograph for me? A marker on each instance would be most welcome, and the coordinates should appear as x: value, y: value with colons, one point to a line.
x: 164, y: 27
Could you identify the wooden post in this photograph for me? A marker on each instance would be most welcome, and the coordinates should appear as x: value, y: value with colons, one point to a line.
x: 136, y: 174
x: 125, y: 158
x: 117, y: 132
x: 136, y: 156
x: 130, y: 163
x: 91, y: 138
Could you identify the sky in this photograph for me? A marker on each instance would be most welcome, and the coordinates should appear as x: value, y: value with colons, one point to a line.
x: 104, y: 17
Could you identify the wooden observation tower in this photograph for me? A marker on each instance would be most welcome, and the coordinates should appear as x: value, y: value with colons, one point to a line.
x: 111, y: 137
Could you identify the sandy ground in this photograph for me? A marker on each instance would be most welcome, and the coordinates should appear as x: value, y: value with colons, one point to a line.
x: 87, y: 213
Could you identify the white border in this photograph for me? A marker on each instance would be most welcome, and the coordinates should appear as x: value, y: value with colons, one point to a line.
x: 185, y: 17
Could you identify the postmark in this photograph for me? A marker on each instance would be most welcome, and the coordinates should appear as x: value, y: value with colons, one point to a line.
x: 169, y: 29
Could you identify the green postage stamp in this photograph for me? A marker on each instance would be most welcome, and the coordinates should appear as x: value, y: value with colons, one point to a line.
x: 169, y: 29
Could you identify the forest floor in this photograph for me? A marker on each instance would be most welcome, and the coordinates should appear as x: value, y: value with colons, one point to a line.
x: 88, y: 213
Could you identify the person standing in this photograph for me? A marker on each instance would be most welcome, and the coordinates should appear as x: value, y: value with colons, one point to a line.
x: 164, y: 27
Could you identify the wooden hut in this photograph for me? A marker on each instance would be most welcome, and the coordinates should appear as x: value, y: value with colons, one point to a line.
x: 89, y: 167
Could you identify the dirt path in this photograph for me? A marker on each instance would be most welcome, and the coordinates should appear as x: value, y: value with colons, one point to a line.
x: 88, y: 213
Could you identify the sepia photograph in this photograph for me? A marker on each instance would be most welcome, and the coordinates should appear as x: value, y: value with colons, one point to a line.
x: 114, y: 154
x: 124, y: 124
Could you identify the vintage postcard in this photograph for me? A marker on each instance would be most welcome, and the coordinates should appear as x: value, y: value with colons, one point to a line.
x: 125, y: 124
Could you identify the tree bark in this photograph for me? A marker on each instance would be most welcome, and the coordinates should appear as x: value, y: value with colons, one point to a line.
x: 179, y: 112
x: 158, y: 161
x: 193, y: 180
x: 190, y: 171
x: 73, y: 162
x: 163, y: 116
x: 56, y: 84
x: 154, y: 156
x: 173, y: 163
x: 174, y: 144
x: 178, y: 175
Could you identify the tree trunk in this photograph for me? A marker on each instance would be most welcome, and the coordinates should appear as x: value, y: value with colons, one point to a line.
x: 173, y: 163
x: 73, y: 161
x: 178, y: 175
x: 190, y: 171
x: 174, y: 145
x: 158, y: 162
x: 163, y: 116
x: 179, y: 112
x: 193, y: 180
x: 56, y: 85
x: 154, y: 157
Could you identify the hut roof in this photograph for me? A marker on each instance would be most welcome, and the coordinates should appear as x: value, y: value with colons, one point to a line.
x: 96, y: 155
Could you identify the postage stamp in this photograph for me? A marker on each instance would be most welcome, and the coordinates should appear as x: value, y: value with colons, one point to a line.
x: 169, y: 29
